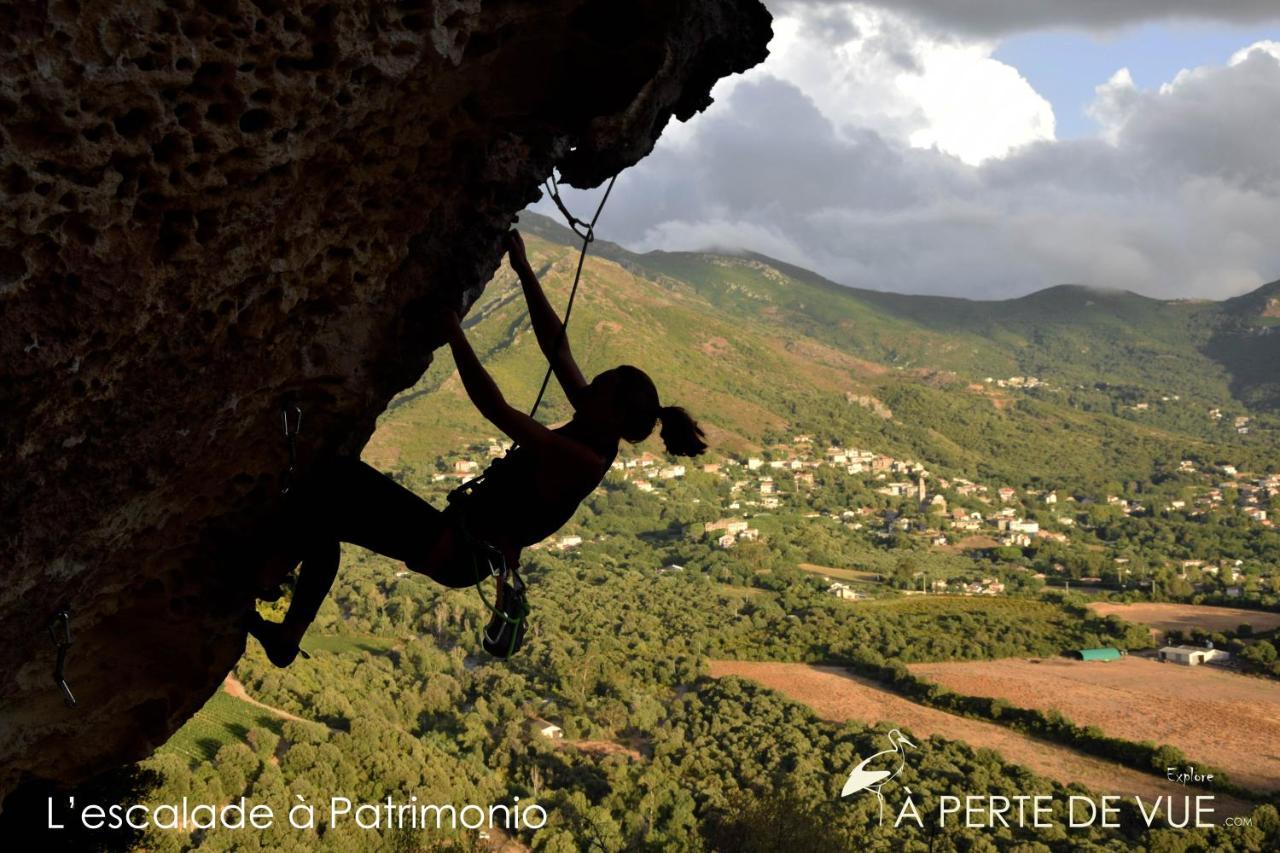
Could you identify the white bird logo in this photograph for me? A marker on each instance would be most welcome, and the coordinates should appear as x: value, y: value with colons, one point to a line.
x: 873, y: 778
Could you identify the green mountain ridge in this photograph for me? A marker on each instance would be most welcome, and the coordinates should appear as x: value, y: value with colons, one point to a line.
x: 1124, y: 385
x: 1232, y: 338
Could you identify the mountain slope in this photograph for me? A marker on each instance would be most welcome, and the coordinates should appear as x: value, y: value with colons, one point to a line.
x: 759, y: 349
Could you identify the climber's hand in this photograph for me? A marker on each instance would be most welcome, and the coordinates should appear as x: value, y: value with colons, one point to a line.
x: 514, y: 245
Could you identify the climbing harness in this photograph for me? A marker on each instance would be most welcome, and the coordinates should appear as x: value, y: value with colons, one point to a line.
x: 291, y: 438
x: 505, y: 632
x: 60, y: 633
x: 587, y: 231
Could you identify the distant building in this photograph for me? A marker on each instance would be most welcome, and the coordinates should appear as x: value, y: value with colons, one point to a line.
x: 844, y: 591
x: 1103, y: 654
x: 1193, y: 655
x: 727, y: 525
x: 546, y: 729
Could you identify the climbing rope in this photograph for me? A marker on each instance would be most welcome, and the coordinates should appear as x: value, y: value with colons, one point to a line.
x: 497, y: 564
x: 586, y: 231
x: 60, y: 633
x: 291, y: 438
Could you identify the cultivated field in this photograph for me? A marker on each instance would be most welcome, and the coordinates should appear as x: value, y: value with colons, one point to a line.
x: 1184, y: 617
x: 1228, y: 720
x: 224, y: 719
x: 833, y: 694
x: 841, y: 574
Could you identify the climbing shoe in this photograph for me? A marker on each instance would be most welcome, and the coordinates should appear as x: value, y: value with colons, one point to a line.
x: 280, y: 651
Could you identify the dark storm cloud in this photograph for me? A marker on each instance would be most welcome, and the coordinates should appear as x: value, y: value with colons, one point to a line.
x: 1001, y: 17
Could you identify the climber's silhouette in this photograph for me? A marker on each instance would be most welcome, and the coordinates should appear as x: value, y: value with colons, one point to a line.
x: 522, y: 498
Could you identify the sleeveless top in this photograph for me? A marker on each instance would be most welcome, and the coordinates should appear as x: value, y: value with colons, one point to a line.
x: 504, y: 507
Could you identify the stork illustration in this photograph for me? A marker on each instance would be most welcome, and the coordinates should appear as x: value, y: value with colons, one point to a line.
x: 873, y: 772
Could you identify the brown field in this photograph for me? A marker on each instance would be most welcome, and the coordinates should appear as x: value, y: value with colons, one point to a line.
x: 1184, y: 617
x: 1228, y: 720
x: 842, y: 574
x: 835, y: 695
x: 604, y: 747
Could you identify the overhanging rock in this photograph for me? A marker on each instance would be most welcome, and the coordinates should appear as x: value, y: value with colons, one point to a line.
x: 206, y: 210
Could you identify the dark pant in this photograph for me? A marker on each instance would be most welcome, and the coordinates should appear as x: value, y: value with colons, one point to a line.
x: 348, y: 501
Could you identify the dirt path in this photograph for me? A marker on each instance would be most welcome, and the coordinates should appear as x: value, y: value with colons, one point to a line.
x: 232, y: 685
x: 835, y: 695
x: 1222, y: 718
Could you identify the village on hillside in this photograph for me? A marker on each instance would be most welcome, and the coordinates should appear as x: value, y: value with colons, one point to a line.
x: 948, y: 513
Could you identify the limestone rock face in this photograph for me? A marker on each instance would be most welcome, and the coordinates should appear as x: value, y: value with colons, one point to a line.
x: 209, y: 206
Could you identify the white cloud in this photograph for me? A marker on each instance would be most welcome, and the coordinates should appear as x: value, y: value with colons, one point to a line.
x: 974, y: 107
x: 1271, y: 48
x: 869, y: 69
x: 1179, y: 199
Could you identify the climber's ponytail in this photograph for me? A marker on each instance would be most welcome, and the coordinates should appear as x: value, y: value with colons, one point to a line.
x: 680, y: 432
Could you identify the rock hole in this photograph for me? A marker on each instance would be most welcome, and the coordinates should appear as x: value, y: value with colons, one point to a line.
x: 134, y: 122
x: 218, y: 113
x: 176, y: 227
x: 207, y: 222
x: 209, y: 77
x: 255, y: 120
x: 16, y: 180
x: 12, y: 266
x: 81, y: 231
x: 169, y: 148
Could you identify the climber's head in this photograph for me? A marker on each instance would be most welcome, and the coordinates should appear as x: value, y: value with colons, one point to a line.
x: 624, y: 401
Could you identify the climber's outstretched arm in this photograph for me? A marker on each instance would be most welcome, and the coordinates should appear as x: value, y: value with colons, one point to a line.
x: 488, y: 399
x: 546, y: 323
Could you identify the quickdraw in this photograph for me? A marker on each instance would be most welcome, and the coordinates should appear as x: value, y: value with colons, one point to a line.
x: 60, y: 633
x: 587, y: 231
x: 291, y: 438
x: 505, y: 631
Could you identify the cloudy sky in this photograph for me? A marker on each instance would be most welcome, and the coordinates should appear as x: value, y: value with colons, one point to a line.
x: 986, y: 148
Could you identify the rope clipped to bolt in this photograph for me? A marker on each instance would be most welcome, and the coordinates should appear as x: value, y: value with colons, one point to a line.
x: 586, y: 231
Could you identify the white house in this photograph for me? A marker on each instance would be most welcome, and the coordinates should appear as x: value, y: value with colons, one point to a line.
x: 1193, y: 655
x: 844, y: 591
x: 547, y: 729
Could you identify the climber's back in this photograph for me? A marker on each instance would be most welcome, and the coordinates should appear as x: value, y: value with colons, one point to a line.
x: 527, y: 495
